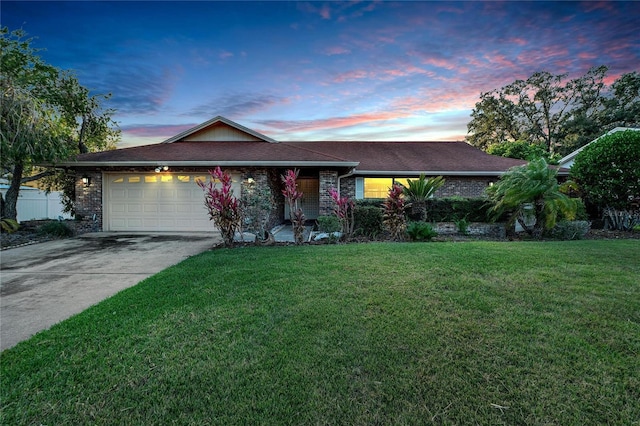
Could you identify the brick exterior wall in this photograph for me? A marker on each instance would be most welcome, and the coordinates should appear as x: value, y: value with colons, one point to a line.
x: 89, y: 200
x: 328, y: 180
x: 348, y: 187
x: 464, y: 186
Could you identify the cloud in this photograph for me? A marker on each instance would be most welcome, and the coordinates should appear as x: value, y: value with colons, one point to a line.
x: 335, y: 50
x: 237, y: 105
x: 155, y: 130
x: 328, y: 123
x: 136, y: 89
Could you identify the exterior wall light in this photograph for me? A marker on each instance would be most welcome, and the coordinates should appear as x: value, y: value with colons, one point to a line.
x: 161, y: 168
x: 86, y: 180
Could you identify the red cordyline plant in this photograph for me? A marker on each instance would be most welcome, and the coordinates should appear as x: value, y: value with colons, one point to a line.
x: 343, y: 209
x: 394, y: 217
x: 224, y: 208
x: 292, y: 195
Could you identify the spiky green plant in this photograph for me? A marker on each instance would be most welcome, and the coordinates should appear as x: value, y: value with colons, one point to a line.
x: 532, y: 187
x: 418, y: 191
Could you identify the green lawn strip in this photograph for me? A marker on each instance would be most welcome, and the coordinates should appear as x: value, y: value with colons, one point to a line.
x: 443, y: 333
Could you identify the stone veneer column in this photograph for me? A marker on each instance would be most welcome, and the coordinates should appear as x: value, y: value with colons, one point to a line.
x: 328, y: 180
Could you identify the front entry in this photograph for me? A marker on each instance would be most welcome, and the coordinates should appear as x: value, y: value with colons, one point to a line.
x: 310, y: 201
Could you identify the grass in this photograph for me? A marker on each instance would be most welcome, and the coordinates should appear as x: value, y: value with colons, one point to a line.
x: 441, y: 333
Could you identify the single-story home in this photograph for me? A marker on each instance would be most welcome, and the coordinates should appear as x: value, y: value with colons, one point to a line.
x: 567, y: 161
x: 153, y: 187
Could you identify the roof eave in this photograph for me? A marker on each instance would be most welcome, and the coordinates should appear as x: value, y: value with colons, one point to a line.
x: 430, y: 172
x: 232, y: 163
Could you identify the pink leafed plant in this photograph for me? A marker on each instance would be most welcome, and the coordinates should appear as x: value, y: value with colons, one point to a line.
x: 394, y: 213
x: 291, y: 193
x: 223, y: 207
x: 343, y: 209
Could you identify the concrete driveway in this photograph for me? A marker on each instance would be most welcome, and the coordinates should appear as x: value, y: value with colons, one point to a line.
x: 43, y: 284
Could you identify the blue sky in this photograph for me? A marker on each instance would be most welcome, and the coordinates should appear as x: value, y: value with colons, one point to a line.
x: 320, y: 70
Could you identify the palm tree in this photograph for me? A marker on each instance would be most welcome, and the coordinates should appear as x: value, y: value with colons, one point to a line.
x: 531, y: 189
x: 418, y: 191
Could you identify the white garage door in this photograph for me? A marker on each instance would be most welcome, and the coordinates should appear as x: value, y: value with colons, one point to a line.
x: 157, y: 202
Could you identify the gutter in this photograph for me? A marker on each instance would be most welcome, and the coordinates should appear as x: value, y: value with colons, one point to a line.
x: 233, y: 163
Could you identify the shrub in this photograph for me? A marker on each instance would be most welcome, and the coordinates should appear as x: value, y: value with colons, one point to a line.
x: 368, y: 220
x: 621, y: 220
x: 571, y: 229
x: 394, y: 218
x: 608, y: 170
x: 343, y: 209
x: 328, y: 224
x: 292, y: 195
x: 55, y: 229
x: 223, y: 207
x: 255, y: 206
x: 462, y: 225
x: 9, y: 226
x: 449, y: 209
x: 418, y: 191
x: 421, y: 231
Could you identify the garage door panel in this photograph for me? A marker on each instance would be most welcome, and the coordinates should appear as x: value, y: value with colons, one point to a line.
x: 156, y: 202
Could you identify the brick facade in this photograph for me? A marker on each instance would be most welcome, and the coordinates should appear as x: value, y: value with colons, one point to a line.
x: 464, y: 186
x: 89, y: 199
x: 328, y: 180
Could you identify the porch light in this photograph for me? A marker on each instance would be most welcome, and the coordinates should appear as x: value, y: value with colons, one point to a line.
x: 86, y: 180
x: 250, y: 178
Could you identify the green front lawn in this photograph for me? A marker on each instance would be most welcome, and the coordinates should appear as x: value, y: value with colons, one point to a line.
x: 359, y: 334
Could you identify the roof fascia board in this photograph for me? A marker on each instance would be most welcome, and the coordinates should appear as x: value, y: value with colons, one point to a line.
x: 428, y: 173
x: 219, y: 119
x: 210, y: 164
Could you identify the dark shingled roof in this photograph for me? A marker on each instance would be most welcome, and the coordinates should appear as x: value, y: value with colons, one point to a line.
x: 367, y: 157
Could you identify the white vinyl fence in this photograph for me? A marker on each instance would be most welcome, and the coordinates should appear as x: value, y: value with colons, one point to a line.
x: 34, y: 204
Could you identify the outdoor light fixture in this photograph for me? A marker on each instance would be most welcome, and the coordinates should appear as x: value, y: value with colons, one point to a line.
x: 86, y: 180
x: 250, y: 178
x: 158, y: 169
x: 161, y: 168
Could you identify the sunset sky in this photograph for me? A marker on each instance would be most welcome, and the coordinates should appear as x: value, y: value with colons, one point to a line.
x: 320, y: 70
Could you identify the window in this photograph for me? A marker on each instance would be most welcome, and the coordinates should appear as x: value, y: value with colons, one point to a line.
x: 183, y: 178
x: 379, y: 187
x: 134, y: 179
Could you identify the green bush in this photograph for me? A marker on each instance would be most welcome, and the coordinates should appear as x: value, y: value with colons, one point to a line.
x: 450, y: 209
x: 421, y: 231
x: 328, y: 224
x: 571, y: 229
x: 9, y: 226
x: 55, y: 229
x: 368, y: 220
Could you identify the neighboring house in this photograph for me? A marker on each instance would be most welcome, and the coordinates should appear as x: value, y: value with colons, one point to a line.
x: 567, y: 162
x: 152, y: 187
x: 36, y: 204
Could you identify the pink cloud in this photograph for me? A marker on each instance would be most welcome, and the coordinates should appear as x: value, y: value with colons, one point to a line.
x: 330, y: 122
x: 351, y: 75
x: 587, y: 55
x: 336, y: 50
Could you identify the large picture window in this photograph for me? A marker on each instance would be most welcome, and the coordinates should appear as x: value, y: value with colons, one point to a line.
x: 379, y: 187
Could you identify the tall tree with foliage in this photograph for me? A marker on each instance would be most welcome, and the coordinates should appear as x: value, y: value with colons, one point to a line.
x: 553, y: 112
x: 608, y: 170
x: 46, y: 116
x: 531, y: 188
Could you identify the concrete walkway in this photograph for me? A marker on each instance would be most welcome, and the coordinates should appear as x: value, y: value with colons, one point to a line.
x: 43, y: 284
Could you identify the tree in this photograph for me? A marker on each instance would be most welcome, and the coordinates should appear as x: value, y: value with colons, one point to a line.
x: 531, y: 188
x: 520, y: 149
x: 418, y: 191
x: 608, y: 170
x: 47, y: 116
x: 555, y: 113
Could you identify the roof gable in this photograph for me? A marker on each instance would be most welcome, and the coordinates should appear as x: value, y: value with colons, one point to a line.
x: 219, y: 129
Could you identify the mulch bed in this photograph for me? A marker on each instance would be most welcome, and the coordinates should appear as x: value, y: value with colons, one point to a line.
x: 30, y: 236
